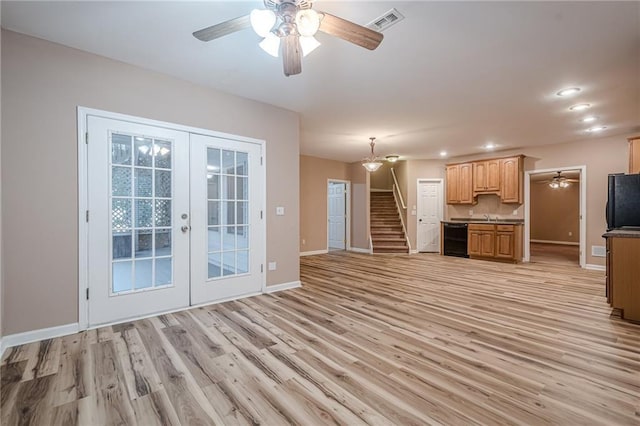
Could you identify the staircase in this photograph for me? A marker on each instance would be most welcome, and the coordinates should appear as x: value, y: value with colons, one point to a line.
x: 386, y: 228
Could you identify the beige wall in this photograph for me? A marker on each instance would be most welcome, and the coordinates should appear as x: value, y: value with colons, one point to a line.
x: 381, y: 178
x: 419, y: 169
x: 42, y: 84
x: 555, y: 213
x: 314, y: 174
x: 1, y: 259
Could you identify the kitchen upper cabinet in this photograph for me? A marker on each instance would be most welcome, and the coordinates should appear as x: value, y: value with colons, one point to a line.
x: 511, y: 179
x: 486, y: 176
x: 634, y: 155
x: 459, y: 184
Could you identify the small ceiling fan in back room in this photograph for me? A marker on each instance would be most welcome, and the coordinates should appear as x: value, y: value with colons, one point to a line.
x: 292, y: 24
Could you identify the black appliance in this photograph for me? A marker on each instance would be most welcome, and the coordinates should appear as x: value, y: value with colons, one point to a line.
x: 455, y: 239
x: 623, y: 204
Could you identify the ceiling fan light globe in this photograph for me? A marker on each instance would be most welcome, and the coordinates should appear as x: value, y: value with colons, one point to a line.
x: 308, y: 44
x: 307, y: 22
x: 262, y: 21
x: 271, y: 45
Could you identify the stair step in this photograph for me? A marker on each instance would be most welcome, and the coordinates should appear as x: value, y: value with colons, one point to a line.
x: 387, y: 234
x: 389, y: 243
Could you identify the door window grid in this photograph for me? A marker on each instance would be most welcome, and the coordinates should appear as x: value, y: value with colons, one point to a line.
x: 141, y: 214
x: 227, y: 213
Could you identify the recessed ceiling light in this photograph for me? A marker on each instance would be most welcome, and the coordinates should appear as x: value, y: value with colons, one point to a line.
x: 392, y: 158
x: 589, y: 119
x: 443, y: 153
x: 596, y: 129
x: 490, y: 145
x: 579, y: 107
x: 568, y: 92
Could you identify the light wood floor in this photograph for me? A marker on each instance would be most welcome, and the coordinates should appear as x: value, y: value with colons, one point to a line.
x: 555, y: 253
x: 390, y: 339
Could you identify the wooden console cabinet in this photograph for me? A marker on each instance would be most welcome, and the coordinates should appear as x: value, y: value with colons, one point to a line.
x: 495, y: 241
x: 623, y: 270
x: 634, y: 155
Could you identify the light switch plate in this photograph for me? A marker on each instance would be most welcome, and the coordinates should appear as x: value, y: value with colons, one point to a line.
x: 279, y: 211
x: 273, y: 266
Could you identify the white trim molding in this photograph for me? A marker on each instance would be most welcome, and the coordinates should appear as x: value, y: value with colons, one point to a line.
x: 562, y: 243
x: 37, y: 335
x: 360, y: 250
x: 593, y: 267
x: 583, y: 210
x: 283, y: 286
x: 313, y: 253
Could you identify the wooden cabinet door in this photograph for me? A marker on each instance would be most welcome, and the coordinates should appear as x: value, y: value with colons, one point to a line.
x: 492, y: 175
x: 453, y: 185
x: 465, y: 183
x: 511, y: 185
x: 487, y: 248
x: 479, y: 176
x: 505, y: 245
x: 634, y: 155
x: 473, y: 243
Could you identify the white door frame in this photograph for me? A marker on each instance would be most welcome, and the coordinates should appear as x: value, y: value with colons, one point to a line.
x: 347, y: 204
x: 440, y: 183
x: 83, y: 227
x: 583, y: 210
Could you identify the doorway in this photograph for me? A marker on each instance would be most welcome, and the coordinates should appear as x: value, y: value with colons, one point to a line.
x: 338, y: 215
x: 429, y: 215
x: 173, y: 217
x: 555, y: 219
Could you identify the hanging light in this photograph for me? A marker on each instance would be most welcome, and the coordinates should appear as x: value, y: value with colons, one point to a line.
x: 262, y: 21
x: 271, y: 44
x: 559, y: 181
x: 308, y: 44
x: 307, y: 22
x: 371, y: 163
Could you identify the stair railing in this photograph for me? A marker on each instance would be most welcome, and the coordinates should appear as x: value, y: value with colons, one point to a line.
x: 400, y: 205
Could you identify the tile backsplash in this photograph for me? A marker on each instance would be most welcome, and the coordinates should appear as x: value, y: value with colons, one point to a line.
x: 487, y: 204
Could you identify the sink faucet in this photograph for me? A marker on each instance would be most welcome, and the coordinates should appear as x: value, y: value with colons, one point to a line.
x: 486, y: 216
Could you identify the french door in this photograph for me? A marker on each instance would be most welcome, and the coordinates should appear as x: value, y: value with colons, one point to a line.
x: 173, y: 219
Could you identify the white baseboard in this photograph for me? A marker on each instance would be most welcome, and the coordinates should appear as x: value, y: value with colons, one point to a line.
x: 312, y: 253
x: 563, y: 243
x: 37, y: 335
x: 283, y: 286
x: 360, y: 250
x: 595, y: 267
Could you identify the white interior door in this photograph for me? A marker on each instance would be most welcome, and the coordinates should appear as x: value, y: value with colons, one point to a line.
x: 337, y: 215
x: 429, y: 215
x: 138, y: 257
x: 227, y: 233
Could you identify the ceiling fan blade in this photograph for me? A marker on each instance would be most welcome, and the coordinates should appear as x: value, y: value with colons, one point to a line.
x: 292, y: 55
x: 349, y: 31
x: 223, y: 28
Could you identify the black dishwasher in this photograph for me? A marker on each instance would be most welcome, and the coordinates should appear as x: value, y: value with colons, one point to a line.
x: 455, y: 239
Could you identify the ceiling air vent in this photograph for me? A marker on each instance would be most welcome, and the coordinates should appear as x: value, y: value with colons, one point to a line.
x: 388, y: 19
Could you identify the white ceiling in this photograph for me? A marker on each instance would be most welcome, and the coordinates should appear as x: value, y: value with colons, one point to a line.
x: 452, y: 75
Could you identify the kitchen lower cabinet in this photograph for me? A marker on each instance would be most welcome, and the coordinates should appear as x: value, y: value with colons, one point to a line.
x: 623, y: 270
x: 501, y: 242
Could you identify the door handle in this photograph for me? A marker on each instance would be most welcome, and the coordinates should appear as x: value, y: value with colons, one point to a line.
x: 185, y: 228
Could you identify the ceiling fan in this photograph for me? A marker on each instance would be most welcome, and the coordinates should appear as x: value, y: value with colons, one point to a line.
x: 559, y: 181
x: 292, y: 24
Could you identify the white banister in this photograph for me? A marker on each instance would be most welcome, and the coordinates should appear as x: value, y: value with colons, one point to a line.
x: 401, y: 206
x: 396, y: 187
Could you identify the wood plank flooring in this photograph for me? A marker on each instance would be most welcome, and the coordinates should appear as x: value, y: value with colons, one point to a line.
x: 555, y: 253
x: 381, y: 340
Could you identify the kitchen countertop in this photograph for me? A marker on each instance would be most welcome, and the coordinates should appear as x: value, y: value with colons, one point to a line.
x: 623, y: 233
x: 484, y: 221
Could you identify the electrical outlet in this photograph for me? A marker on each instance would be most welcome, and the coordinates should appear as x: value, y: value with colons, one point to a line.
x: 304, y: 241
x: 279, y: 211
x: 515, y: 212
x: 570, y: 234
x: 273, y: 266
x: 470, y: 212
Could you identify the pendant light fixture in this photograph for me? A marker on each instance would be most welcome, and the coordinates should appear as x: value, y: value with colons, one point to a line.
x: 372, y: 163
